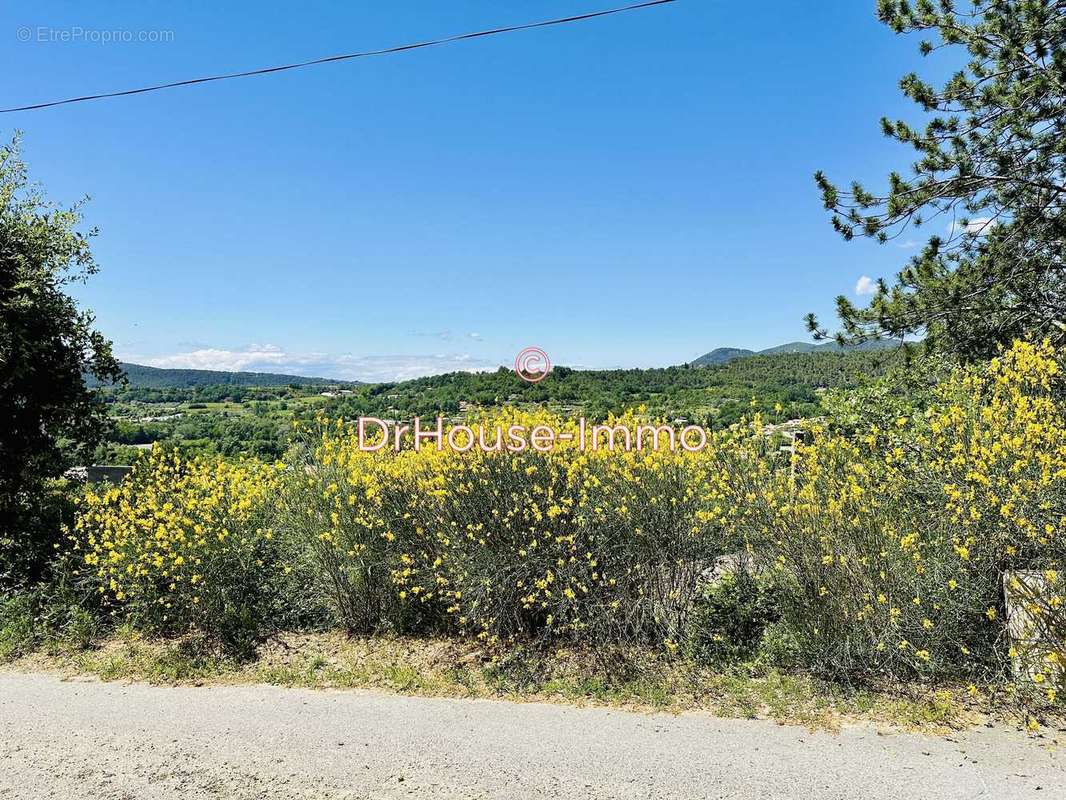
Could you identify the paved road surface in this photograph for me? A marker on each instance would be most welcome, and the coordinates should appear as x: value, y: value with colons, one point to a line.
x: 96, y: 740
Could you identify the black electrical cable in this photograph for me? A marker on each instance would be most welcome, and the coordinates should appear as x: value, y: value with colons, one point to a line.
x: 345, y: 57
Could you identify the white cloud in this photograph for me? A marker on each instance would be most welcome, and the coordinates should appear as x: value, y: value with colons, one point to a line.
x: 978, y: 226
x: 270, y: 358
x: 252, y: 358
x: 865, y: 285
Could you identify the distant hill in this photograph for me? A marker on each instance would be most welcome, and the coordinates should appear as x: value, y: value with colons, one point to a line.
x: 157, y: 378
x: 723, y: 355
x: 791, y: 347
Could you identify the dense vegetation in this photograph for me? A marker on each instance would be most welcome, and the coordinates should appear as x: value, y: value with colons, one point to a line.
x: 714, y: 396
x: 47, y: 344
x: 233, y: 420
x: 923, y: 502
x: 156, y: 378
x: 879, y: 551
x: 216, y: 418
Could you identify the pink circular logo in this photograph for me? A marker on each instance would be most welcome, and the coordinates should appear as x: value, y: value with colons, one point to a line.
x: 532, y: 365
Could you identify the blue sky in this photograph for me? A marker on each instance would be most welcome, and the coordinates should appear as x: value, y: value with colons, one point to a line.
x: 628, y: 191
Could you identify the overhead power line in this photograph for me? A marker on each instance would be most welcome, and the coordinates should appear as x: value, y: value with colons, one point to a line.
x: 345, y: 57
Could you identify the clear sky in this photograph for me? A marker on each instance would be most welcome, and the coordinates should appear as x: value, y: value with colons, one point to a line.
x: 628, y: 191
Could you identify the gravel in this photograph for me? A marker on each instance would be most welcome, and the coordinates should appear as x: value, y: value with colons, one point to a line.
x: 85, y: 739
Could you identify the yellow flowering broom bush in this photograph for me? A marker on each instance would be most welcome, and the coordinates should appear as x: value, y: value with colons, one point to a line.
x: 599, y: 546
x: 185, y: 544
x: 893, y: 544
x: 897, y: 541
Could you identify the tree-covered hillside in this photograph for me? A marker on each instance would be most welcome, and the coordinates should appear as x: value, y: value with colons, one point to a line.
x: 723, y: 355
x: 232, y: 419
x: 140, y: 376
x: 784, y: 385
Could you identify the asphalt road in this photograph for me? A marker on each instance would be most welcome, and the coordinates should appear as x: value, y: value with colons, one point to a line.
x: 99, y: 740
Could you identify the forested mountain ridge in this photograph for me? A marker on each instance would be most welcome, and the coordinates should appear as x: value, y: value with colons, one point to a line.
x: 140, y: 376
x: 723, y: 355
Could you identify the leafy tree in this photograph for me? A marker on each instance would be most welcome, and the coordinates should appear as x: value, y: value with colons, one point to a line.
x: 47, y: 345
x: 990, y: 176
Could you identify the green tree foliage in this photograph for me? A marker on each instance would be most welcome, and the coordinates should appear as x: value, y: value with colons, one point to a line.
x: 156, y: 378
x: 782, y: 386
x: 990, y: 176
x: 257, y: 420
x: 47, y: 345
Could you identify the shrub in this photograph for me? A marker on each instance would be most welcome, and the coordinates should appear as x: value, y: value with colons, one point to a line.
x: 594, y: 546
x: 56, y: 614
x: 28, y: 547
x: 732, y: 615
x: 893, y: 543
x: 333, y: 517
x: 186, y: 544
x: 880, y: 550
x: 17, y: 629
